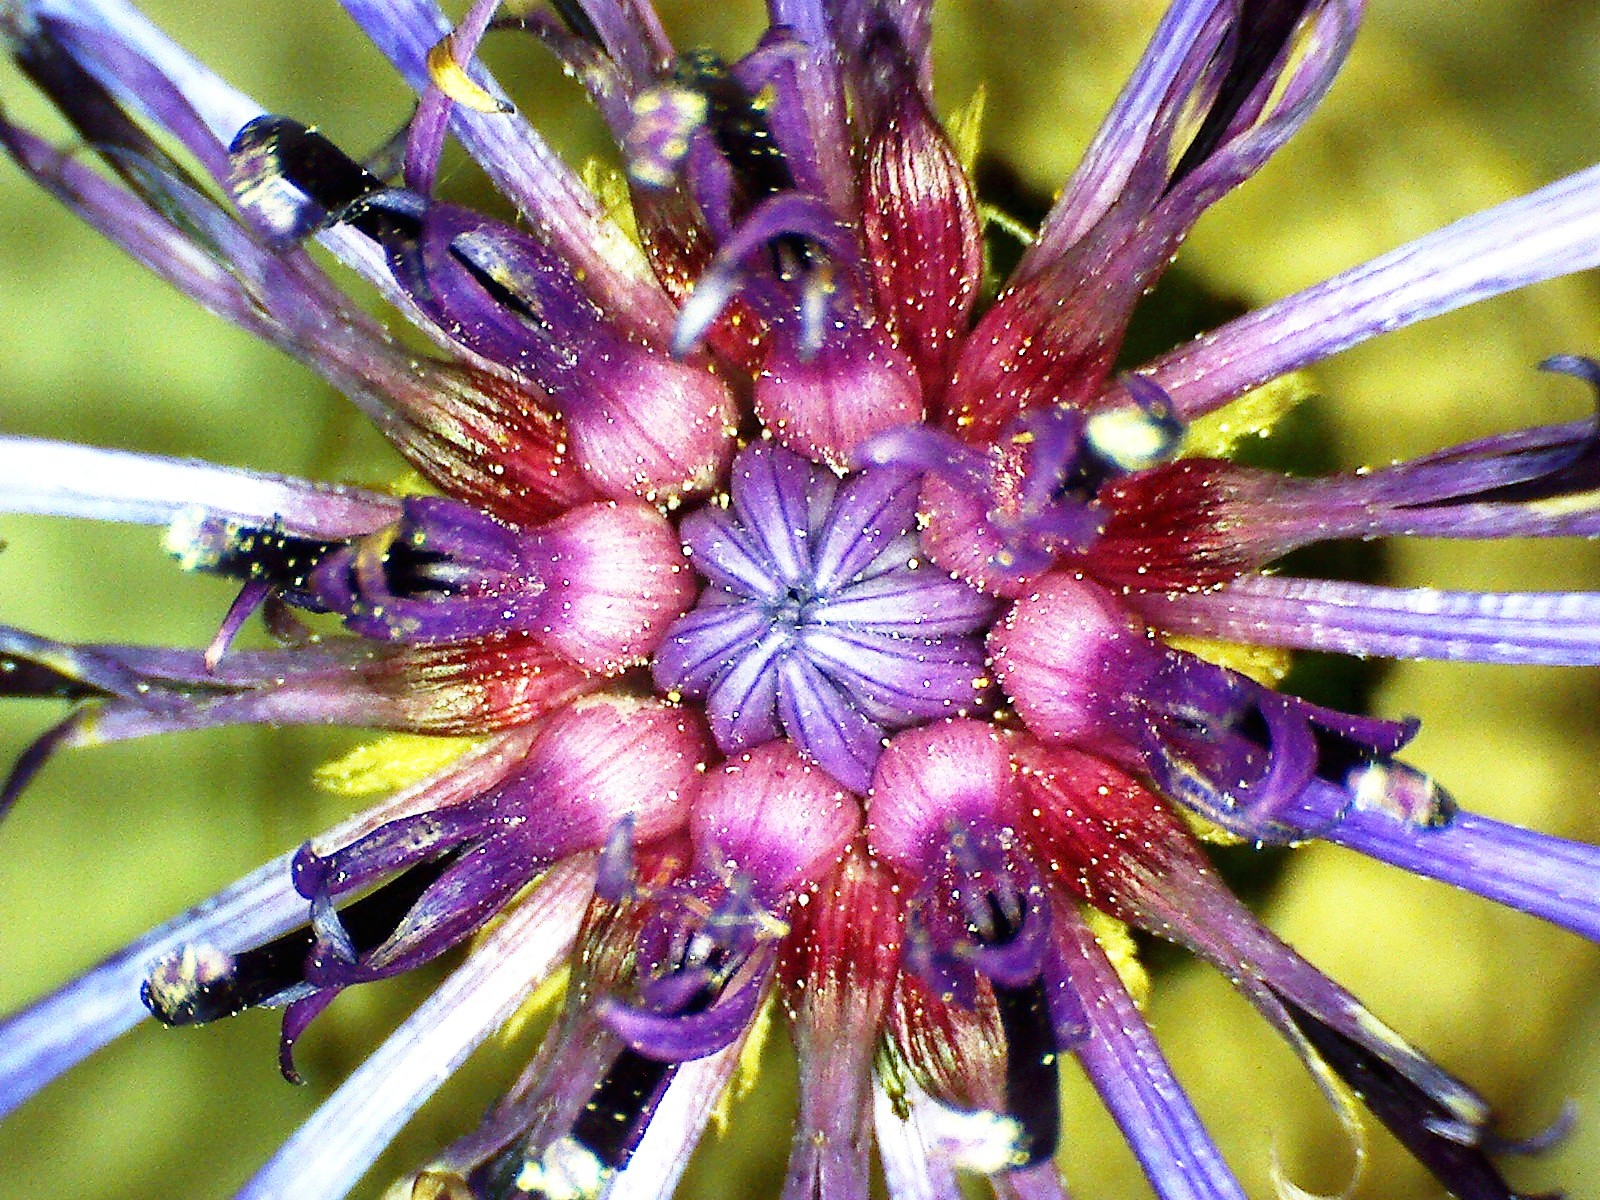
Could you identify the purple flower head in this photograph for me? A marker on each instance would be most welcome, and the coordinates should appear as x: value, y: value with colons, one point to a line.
x: 838, y: 643
x: 821, y: 621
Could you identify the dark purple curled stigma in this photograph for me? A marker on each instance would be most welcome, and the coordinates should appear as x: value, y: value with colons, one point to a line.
x: 1242, y: 754
x: 985, y: 914
x: 1577, y: 469
x: 704, y: 960
x: 820, y: 618
x: 200, y: 984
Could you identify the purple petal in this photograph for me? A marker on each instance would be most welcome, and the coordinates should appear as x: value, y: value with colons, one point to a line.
x: 222, y: 108
x: 730, y: 555
x: 898, y: 679
x: 72, y: 1023
x: 924, y: 602
x: 1135, y: 1082
x: 706, y: 643
x: 821, y: 720
x: 821, y: 96
x: 772, y: 496
x: 65, y: 480
x: 135, y: 79
x: 1548, y: 628
x: 1040, y: 1182
x: 1122, y: 138
x: 683, y: 1037
x: 872, y: 510
x: 133, y: 225
x: 1553, y: 231
x: 472, y: 890
x: 742, y: 706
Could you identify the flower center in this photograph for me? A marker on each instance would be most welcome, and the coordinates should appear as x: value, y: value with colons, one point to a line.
x: 820, y: 620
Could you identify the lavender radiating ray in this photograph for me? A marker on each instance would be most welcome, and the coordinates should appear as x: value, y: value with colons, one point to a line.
x: 1551, y: 232
x: 224, y: 109
x: 1120, y: 141
x: 676, y: 1126
x: 60, y: 1031
x: 910, y: 1170
x: 1135, y: 1082
x: 147, y: 237
x: 331, y: 1151
x: 64, y: 1028
x: 1534, y: 628
x: 822, y: 96
x: 1548, y: 877
x: 65, y: 480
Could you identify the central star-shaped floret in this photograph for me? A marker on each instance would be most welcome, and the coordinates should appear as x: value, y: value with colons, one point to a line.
x: 821, y: 619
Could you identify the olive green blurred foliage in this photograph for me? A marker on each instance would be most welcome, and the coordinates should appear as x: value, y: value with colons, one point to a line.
x: 1444, y: 109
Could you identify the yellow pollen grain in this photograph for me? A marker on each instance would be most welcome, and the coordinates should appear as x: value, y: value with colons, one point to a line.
x: 1266, y: 665
x: 1254, y: 414
x: 389, y: 763
x: 451, y: 78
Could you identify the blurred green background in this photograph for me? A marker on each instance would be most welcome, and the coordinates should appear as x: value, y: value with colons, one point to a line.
x: 1444, y: 109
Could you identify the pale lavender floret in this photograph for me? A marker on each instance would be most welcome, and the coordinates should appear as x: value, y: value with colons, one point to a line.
x: 1120, y: 141
x: 222, y: 108
x: 140, y: 692
x: 820, y: 88
x: 1552, y: 878
x: 1126, y: 1066
x: 70, y: 1024
x: 676, y: 1126
x: 911, y: 1170
x: 169, y: 225
x: 65, y: 480
x: 1541, y: 628
x: 1551, y: 232
x: 138, y: 229
x: 45, y: 1040
x: 820, y: 616
x: 335, y: 1147
x: 1221, y: 106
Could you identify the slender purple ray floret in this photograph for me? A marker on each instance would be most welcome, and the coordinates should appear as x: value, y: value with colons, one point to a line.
x: 841, y: 642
